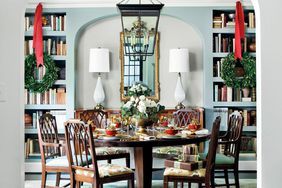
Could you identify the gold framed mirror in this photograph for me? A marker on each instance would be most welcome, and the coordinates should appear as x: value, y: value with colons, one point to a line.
x: 140, y: 71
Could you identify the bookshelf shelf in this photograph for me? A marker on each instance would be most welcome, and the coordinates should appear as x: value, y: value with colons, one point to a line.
x: 60, y: 82
x: 231, y: 30
x: 47, y: 33
x: 34, y: 131
x: 234, y: 104
x: 222, y: 54
x: 217, y: 79
x: 45, y: 107
x: 59, y: 57
x: 249, y: 128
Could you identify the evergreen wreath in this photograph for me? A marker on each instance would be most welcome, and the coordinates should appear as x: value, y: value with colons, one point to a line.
x: 51, y: 74
x: 228, y: 74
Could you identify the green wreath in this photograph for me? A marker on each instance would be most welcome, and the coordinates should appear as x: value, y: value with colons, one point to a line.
x: 51, y: 74
x: 228, y: 74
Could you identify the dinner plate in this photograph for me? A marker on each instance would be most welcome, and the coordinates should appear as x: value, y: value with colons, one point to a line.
x: 170, y: 136
x: 109, y: 138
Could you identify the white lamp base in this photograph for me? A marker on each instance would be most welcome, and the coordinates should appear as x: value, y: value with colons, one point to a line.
x: 179, y: 93
x: 99, y: 94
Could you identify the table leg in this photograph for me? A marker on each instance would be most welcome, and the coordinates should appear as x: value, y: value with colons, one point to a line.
x: 143, y: 166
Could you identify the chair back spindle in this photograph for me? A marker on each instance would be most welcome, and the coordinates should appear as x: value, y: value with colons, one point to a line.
x: 183, y: 117
x: 98, y: 117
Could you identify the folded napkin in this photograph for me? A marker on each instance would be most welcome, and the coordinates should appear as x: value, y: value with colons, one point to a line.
x: 146, y: 137
x: 201, y: 131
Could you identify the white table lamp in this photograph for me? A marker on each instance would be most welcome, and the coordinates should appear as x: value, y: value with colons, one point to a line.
x: 179, y: 62
x: 99, y: 61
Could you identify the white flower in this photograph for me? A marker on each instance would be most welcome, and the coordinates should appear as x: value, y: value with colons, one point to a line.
x: 142, y: 98
x: 136, y: 100
x: 142, y: 107
x: 132, y: 98
x: 144, y: 88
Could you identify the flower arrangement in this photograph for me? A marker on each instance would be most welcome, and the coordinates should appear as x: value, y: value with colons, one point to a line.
x: 141, y: 107
x: 139, y: 89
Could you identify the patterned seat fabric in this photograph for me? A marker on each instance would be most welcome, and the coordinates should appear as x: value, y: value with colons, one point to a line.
x: 180, y: 172
x: 63, y: 161
x: 105, y: 170
x: 176, y: 150
x: 109, y: 150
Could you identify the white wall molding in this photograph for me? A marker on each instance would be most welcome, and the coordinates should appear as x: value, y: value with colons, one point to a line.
x: 112, y: 3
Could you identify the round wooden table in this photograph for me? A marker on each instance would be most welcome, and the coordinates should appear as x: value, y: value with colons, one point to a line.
x: 143, y: 153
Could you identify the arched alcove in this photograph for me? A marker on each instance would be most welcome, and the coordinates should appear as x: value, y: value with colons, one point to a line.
x: 174, y: 33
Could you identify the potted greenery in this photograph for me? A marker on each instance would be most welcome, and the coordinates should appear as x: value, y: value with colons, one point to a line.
x: 248, y: 80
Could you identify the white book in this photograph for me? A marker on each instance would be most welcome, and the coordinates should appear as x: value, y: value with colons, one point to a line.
x: 65, y: 22
x: 52, y: 22
x: 233, y: 44
x: 30, y: 46
x: 26, y: 96
x: 222, y: 20
x: 216, y: 93
x: 218, y: 64
x: 49, y: 43
x: 229, y: 94
x: 216, y: 43
x: 219, y: 42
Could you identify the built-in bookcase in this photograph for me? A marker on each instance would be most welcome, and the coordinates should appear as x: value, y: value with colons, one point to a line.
x: 226, y: 100
x: 54, y: 100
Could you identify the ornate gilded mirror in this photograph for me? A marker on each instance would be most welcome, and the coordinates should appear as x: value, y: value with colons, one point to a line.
x: 140, y: 70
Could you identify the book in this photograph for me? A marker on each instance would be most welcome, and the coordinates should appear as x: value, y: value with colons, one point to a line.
x: 224, y: 93
x: 229, y: 94
x: 216, y: 93
x: 219, y: 42
x: 185, y: 165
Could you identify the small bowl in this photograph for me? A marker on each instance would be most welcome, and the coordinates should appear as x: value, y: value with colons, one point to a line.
x: 111, y: 132
x: 171, y: 131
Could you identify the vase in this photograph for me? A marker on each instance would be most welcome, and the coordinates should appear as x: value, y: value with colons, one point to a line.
x: 246, y: 92
x: 142, y: 124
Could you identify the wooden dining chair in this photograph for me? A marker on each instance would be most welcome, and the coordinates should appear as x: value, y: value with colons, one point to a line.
x: 50, y: 150
x: 99, y: 118
x: 202, y: 175
x: 229, y: 159
x: 80, y: 145
x: 183, y: 117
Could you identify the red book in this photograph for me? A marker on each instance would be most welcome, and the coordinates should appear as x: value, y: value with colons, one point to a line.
x: 224, y: 93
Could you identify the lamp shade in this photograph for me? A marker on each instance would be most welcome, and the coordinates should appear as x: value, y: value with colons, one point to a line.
x: 99, y: 60
x: 179, y: 60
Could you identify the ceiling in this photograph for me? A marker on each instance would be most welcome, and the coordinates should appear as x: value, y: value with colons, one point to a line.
x: 112, y: 3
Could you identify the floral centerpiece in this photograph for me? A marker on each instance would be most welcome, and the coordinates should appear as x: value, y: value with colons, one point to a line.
x: 140, y: 109
x: 139, y: 89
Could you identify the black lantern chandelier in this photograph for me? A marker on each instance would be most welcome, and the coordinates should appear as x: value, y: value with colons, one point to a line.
x: 139, y: 26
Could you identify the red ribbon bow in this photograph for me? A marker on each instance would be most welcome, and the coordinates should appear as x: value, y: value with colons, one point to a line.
x: 239, y: 30
x: 37, y: 35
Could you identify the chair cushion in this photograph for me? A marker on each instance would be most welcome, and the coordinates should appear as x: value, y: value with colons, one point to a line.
x: 105, y: 170
x: 220, y: 158
x: 63, y: 161
x: 180, y: 172
x: 109, y: 150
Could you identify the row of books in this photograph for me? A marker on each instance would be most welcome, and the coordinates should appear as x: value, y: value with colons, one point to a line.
x: 227, y: 43
x: 222, y: 93
x: 248, y: 144
x: 50, y: 46
x: 49, y: 22
x: 60, y: 116
x: 249, y: 117
x: 222, y: 21
x: 51, y: 96
x: 32, y: 149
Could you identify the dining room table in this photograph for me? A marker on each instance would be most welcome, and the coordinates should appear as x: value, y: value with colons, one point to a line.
x: 143, y: 146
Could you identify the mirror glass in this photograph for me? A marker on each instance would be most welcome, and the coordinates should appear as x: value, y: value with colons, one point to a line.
x: 139, y: 70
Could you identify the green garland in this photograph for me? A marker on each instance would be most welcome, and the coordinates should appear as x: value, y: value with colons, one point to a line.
x: 51, y: 74
x: 228, y: 73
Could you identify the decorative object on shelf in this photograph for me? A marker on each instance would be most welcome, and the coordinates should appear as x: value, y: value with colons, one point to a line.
x: 140, y: 26
x: 179, y: 62
x: 141, y: 110
x: 228, y: 72
x: 252, y: 46
x: 99, y: 62
x: 48, y: 79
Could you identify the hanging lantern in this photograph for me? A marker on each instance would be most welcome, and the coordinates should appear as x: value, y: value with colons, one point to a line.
x: 140, y: 26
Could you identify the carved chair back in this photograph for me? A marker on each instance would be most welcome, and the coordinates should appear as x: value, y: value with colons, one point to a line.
x: 48, y: 137
x: 183, y: 117
x: 80, y: 146
x: 98, y: 117
x: 233, y: 135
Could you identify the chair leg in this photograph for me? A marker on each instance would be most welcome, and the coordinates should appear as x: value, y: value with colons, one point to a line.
x: 77, y: 184
x: 236, y: 176
x: 58, y: 178
x: 175, y: 183
x: 165, y: 182
x: 211, y: 182
x: 226, y: 178
x: 109, y: 161
x: 43, y: 179
x: 131, y: 183
x: 200, y: 185
x: 127, y: 161
x: 189, y: 184
x: 181, y: 184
